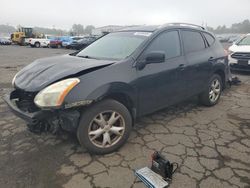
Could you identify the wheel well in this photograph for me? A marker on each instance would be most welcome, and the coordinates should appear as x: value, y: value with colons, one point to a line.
x: 125, y: 100
x: 222, y: 75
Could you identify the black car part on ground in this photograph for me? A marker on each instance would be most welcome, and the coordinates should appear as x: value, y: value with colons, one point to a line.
x: 163, y: 166
x: 235, y: 81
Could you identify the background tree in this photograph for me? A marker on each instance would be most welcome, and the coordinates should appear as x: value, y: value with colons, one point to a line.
x: 49, y: 31
x: 88, y: 29
x: 7, y: 29
x: 77, y: 29
x: 241, y: 27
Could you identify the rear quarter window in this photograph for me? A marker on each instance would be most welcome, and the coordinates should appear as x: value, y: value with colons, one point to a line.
x: 192, y: 41
x: 210, y: 39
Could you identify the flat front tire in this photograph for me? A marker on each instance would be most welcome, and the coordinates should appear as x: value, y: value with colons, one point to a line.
x: 104, y: 127
x: 212, y: 94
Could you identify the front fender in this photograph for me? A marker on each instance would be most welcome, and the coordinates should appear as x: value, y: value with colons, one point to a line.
x: 78, y: 98
x: 114, y: 88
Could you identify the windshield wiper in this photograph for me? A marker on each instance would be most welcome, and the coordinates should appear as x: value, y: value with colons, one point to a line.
x: 86, y: 56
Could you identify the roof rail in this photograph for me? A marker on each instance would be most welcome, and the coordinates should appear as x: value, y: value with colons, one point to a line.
x: 183, y: 24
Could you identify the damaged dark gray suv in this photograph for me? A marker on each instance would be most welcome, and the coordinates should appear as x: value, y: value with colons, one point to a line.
x: 100, y: 91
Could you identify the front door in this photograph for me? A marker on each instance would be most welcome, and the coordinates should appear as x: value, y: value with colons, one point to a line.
x: 162, y: 84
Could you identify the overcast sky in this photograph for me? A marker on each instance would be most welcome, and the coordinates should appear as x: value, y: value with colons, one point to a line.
x: 63, y: 13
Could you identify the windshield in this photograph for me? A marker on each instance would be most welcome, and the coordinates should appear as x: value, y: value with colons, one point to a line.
x: 244, y: 41
x: 115, y: 46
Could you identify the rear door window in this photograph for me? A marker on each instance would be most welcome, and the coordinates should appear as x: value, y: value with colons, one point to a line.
x: 192, y: 41
x: 210, y: 39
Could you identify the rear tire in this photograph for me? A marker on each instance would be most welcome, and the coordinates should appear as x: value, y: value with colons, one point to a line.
x: 104, y: 127
x: 211, y: 95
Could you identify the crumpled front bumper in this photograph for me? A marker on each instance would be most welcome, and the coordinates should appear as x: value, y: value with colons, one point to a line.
x: 29, y: 117
x: 67, y: 119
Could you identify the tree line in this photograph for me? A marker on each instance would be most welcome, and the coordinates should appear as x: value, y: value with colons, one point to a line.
x: 78, y: 29
x: 242, y: 27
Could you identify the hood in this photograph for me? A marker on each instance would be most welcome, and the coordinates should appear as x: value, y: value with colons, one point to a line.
x: 43, y: 72
x: 236, y: 48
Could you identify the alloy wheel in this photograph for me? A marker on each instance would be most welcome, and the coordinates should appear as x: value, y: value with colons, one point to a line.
x: 215, y: 90
x: 106, y: 129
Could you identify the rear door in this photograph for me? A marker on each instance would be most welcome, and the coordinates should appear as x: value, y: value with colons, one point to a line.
x: 162, y: 84
x: 199, y: 61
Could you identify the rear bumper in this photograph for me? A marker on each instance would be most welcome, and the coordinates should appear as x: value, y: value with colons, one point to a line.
x: 29, y: 117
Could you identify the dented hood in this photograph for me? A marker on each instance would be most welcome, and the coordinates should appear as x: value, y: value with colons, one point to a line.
x: 43, y: 72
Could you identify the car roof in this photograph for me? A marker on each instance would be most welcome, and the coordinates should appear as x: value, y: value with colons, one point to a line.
x: 146, y: 28
x: 152, y: 28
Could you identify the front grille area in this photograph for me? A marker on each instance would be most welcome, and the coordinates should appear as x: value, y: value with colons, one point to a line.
x: 25, y: 100
x: 241, y: 55
x: 240, y: 67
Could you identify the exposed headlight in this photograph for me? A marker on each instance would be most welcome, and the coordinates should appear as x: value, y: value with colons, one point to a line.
x: 53, y: 95
x: 13, y: 81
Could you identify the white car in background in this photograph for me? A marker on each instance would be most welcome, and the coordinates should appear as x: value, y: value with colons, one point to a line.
x: 40, y: 42
x: 239, y: 54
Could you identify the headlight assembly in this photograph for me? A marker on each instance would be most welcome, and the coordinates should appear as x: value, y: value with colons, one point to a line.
x: 53, y: 95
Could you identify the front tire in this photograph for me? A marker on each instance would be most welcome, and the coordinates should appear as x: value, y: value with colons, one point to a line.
x: 211, y: 95
x: 104, y: 127
x: 37, y: 44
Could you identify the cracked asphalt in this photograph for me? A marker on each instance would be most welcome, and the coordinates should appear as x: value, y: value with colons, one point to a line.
x: 211, y: 145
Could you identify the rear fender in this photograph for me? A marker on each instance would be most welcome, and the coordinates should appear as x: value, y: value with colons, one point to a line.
x: 221, y: 68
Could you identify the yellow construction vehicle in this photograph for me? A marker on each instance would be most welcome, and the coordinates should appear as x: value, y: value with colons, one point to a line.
x: 19, y: 36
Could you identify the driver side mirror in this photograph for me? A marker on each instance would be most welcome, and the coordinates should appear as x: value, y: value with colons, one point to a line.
x: 152, y: 57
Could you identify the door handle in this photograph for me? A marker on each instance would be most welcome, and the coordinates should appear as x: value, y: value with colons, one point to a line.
x: 181, y: 67
x: 211, y: 59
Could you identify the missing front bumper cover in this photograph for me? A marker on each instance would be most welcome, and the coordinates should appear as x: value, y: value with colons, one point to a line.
x: 45, y: 120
